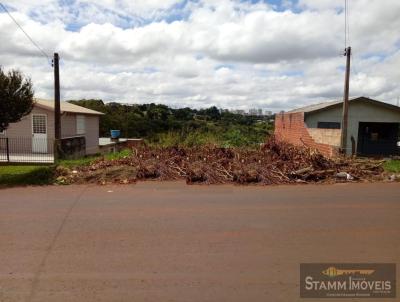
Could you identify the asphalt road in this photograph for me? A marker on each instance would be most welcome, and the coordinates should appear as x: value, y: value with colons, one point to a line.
x: 172, y: 242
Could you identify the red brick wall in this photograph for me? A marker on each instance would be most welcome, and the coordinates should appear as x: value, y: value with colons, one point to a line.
x: 290, y: 127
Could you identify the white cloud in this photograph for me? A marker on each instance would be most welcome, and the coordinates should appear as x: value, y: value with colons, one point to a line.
x: 86, y: 11
x: 225, y: 53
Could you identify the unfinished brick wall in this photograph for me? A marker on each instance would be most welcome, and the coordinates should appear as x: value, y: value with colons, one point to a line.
x: 326, y: 136
x: 290, y: 127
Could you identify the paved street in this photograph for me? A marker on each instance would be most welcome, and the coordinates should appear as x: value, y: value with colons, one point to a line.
x: 172, y: 242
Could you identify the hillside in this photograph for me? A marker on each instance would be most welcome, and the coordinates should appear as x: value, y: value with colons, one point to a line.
x: 162, y: 125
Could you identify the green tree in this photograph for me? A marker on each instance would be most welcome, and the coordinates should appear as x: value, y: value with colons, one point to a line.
x: 160, y: 124
x: 16, y: 97
x: 211, y: 113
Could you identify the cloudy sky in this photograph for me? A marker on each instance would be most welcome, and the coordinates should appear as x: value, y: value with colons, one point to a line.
x: 271, y: 54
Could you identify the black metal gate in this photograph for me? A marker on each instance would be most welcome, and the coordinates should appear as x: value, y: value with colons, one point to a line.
x: 379, y: 139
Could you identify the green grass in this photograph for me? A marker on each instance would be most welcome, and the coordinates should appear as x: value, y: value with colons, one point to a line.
x: 118, y: 155
x: 88, y: 160
x: 26, y: 175
x: 17, y: 175
x: 73, y: 163
x: 212, y: 134
x: 392, y: 166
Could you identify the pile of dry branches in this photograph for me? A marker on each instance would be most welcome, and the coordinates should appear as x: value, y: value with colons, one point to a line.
x: 273, y: 163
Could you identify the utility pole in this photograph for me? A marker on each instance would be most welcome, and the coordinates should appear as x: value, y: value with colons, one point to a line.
x: 343, y: 144
x: 57, y: 109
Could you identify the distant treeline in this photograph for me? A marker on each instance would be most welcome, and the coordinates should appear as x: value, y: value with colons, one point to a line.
x: 160, y: 124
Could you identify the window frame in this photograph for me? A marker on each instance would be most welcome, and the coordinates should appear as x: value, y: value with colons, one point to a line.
x: 45, y: 123
x: 80, y: 120
x: 329, y: 125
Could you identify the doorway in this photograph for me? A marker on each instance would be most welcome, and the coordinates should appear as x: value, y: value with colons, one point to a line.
x: 39, y: 133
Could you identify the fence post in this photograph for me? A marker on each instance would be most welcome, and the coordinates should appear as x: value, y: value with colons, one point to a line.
x: 8, y: 150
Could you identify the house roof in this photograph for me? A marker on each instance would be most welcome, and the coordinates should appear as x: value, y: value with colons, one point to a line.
x: 327, y: 105
x: 65, y: 107
x: 315, y: 107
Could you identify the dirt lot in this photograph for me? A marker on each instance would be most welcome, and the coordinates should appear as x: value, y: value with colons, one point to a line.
x: 274, y: 162
x: 171, y: 242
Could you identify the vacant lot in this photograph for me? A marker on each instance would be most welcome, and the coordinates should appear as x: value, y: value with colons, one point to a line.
x: 172, y: 242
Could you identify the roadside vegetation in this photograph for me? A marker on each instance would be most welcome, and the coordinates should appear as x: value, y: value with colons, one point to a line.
x: 392, y: 166
x: 26, y: 175
x: 155, y: 162
x: 160, y: 125
x: 19, y: 175
x: 274, y: 162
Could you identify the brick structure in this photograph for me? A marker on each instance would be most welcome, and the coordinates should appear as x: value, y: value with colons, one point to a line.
x: 290, y: 127
x: 373, y: 127
x: 326, y: 136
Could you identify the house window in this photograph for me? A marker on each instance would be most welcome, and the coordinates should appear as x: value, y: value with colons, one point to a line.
x: 328, y: 125
x: 39, y: 125
x: 80, y: 124
x: 3, y: 132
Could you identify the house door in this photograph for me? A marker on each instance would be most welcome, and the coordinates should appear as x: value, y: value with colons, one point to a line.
x: 39, y: 133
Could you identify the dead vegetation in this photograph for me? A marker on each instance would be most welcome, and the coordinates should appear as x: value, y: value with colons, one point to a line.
x: 273, y: 163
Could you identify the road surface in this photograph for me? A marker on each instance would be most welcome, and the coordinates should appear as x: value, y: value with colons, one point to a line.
x: 172, y: 242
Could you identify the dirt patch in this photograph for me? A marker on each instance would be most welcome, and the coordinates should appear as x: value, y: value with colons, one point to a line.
x: 273, y: 163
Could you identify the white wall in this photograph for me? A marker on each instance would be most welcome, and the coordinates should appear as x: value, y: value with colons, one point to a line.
x: 359, y: 111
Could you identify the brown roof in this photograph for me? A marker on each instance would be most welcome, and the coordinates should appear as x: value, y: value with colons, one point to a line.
x: 326, y: 105
x: 65, y: 107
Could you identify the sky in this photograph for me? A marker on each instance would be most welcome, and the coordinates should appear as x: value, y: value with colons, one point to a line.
x: 236, y: 54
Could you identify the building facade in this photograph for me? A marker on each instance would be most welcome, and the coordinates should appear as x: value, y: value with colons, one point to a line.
x: 35, y: 131
x: 373, y: 127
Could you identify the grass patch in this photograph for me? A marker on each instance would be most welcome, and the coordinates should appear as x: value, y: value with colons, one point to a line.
x: 88, y: 160
x: 73, y: 163
x: 118, y: 155
x: 16, y: 175
x: 26, y: 175
x: 392, y: 166
x: 228, y: 136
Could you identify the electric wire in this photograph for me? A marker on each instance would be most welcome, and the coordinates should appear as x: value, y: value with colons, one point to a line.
x: 348, y: 23
x: 345, y: 24
x: 26, y: 34
x: 347, y: 38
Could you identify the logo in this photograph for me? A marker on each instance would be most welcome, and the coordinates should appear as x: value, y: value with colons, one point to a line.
x: 348, y: 280
x: 333, y: 272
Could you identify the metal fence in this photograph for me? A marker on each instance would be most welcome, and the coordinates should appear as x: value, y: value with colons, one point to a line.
x: 26, y: 150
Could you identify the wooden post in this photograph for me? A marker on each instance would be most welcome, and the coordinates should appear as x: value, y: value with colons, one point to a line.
x: 346, y: 102
x: 57, y: 109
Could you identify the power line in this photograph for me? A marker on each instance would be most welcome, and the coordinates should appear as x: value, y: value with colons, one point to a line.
x: 346, y: 24
x: 26, y: 34
x: 353, y: 67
